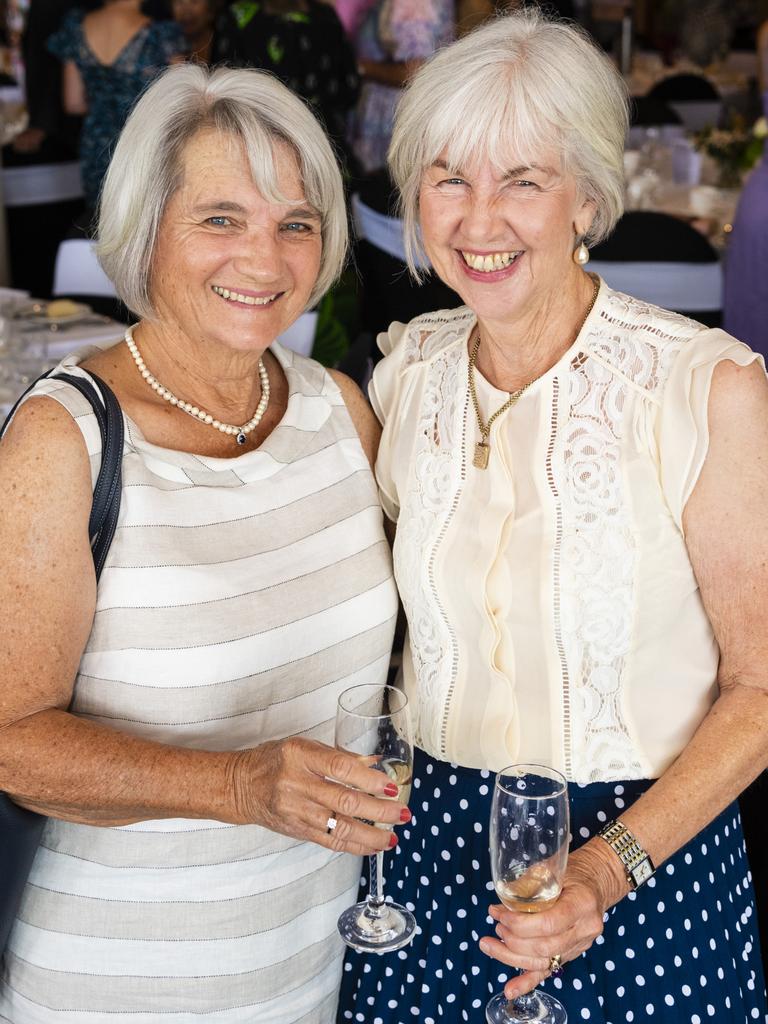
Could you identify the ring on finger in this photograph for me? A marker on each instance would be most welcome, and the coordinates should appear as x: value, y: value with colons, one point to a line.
x: 331, y: 824
x: 556, y: 965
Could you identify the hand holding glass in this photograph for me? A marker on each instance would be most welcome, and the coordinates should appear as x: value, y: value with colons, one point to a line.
x: 529, y: 852
x: 373, y: 722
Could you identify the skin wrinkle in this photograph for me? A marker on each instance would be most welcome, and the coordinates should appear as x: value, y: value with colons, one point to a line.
x: 527, y: 320
x: 203, y: 348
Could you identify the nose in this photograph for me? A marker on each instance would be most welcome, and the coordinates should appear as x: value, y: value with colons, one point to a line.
x: 259, y: 257
x: 482, y: 221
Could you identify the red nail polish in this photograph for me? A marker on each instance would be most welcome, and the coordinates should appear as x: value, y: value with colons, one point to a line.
x: 391, y: 789
x: 405, y: 815
x: 392, y: 841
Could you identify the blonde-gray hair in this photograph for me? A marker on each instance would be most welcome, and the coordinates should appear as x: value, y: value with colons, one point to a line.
x: 246, y: 105
x: 515, y: 87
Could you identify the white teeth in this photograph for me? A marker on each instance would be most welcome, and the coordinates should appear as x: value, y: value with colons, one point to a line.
x: 486, y: 264
x: 248, y: 300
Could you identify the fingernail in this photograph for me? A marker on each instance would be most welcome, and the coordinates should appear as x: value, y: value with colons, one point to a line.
x: 392, y: 841
x: 484, y: 946
x: 405, y: 815
x: 391, y: 789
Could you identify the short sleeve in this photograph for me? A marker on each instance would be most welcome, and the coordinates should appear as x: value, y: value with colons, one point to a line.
x: 416, y: 28
x: 66, y: 40
x: 384, y: 393
x: 682, y: 432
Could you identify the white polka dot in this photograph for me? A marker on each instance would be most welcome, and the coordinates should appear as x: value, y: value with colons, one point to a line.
x: 686, y: 990
x: 669, y: 1000
x: 585, y: 1014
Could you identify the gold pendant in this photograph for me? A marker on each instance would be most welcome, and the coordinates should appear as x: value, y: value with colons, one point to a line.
x: 482, y: 453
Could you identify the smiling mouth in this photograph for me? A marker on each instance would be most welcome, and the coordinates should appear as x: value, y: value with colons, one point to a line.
x: 248, y: 300
x: 491, y: 262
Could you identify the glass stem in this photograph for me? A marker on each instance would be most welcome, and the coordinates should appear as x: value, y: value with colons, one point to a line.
x: 375, y: 899
x: 526, y: 1007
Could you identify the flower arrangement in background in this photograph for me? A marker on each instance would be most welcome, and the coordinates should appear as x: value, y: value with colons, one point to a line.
x: 736, y: 150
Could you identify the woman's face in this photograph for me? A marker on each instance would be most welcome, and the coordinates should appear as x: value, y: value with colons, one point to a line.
x: 229, y: 266
x: 503, y: 241
x: 194, y: 16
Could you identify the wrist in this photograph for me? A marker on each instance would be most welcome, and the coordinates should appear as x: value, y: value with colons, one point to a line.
x: 598, y: 867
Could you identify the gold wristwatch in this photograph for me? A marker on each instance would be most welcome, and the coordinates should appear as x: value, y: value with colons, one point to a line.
x: 637, y: 864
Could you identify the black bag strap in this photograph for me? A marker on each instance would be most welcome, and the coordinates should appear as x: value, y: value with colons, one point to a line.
x: 106, y: 493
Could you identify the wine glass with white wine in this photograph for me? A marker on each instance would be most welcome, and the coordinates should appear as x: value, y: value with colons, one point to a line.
x: 529, y: 852
x: 373, y: 722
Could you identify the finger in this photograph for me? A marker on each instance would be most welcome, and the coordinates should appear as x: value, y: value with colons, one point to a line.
x: 353, y: 771
x: 527, y: 959
x: 524, y: 983
x: 351, y: 803
x: 350, y: 836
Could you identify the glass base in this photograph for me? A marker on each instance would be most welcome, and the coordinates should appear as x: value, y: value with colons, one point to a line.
x: 536, y: 1006
x: 371, y: 930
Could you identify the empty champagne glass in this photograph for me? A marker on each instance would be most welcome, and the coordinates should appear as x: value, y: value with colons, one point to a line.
x: 373, y: 721
x: 529, y: 852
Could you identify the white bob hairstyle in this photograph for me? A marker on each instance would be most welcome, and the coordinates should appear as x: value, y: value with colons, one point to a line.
x: 248, y: 107
x: 509, y: 91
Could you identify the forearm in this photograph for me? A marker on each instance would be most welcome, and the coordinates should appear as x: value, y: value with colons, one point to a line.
x: 727, y: 752
x: 394, y: 73
x: 66, y: 767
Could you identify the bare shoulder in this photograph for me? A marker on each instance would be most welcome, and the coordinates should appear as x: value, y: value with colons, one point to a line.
x: 738, y: 394
x: 43, y: 458
x: 365, y: 422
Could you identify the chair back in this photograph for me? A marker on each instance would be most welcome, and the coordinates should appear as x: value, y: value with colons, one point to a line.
x: 698, y: 114
x: 78, y: 273
x: 662, y: 260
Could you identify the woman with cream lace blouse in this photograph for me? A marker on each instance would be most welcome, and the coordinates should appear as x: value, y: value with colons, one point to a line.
x: 586, y: 582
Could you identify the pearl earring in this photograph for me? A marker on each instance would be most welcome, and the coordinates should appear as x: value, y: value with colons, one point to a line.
x: 581, y: 255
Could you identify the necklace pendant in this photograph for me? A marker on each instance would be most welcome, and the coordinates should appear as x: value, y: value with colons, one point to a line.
x: 482, y: 454
x: 241, y: 438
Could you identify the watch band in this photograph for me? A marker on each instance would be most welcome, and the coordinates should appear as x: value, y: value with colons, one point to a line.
x: 638, y: 866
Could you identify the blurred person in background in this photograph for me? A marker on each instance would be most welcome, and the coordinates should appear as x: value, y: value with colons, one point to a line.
x: 110, y: 52
x: 197, y: 19
x: 51, y: 131
x: 394, y: 40
x: 303, y: 43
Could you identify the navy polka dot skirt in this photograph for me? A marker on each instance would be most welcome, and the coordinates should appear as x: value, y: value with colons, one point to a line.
x: 683, y: 949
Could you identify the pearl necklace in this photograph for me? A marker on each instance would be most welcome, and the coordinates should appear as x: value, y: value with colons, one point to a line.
x: 240, y: 433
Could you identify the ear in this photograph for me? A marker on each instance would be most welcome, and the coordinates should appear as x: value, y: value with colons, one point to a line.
x: 584, y: 217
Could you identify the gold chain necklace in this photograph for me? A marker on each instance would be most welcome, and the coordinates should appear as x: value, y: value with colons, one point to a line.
x: 482, y: 447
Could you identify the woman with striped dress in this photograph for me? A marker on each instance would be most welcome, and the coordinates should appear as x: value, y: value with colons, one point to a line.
x: 198, y: 852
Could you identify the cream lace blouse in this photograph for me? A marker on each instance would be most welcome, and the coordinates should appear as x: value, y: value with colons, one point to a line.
x: 553, y: 612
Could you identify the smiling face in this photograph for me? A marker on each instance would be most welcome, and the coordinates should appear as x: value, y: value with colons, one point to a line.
x: 503, y: 241
x: 229, y: 266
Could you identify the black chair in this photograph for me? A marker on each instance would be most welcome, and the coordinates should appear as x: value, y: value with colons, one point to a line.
x: 645, y: 111
x: 663, y: 260
x: 387, y: 290
x: 693, y: 97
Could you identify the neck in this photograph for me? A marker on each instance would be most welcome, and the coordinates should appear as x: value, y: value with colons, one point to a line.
x: 514, y: 353
x: 222, y: 381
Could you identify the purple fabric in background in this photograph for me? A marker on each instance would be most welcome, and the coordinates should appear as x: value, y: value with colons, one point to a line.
x: 745, y: 313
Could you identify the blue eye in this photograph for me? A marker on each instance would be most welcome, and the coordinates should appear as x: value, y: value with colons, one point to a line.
x: 297, y: 227
x: 219, y: 222
x: 453, y: 181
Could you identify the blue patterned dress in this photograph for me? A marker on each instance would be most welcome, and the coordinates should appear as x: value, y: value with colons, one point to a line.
x: 112, y: 88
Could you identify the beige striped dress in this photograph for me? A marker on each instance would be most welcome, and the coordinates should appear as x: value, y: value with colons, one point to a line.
x: 239, y: 598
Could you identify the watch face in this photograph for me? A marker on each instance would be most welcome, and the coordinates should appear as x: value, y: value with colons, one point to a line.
x: 642, y: 872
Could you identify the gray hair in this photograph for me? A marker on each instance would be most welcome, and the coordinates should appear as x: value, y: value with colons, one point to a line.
x: 246, y: 105
x: 511, y: 89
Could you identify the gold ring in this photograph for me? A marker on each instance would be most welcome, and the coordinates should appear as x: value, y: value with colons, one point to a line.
x: 556, y: 965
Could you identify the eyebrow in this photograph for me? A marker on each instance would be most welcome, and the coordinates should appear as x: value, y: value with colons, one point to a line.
x: 227, y: 206
x: 514, y: 172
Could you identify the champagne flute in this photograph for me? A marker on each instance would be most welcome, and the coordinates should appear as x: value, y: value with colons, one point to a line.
x: 373, y: 721
x: 529, y: 851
